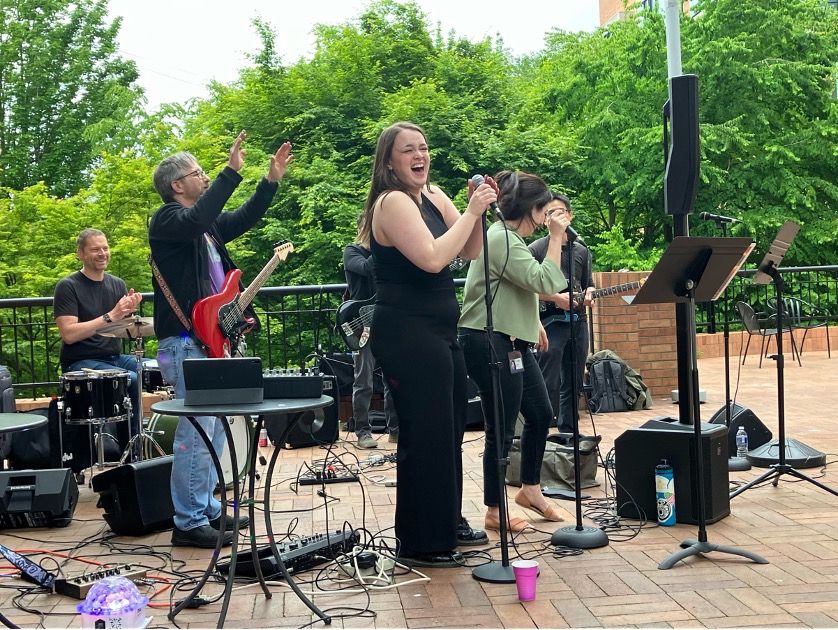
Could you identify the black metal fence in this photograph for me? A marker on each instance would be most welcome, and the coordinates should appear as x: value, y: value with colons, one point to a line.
x: 298, y: 323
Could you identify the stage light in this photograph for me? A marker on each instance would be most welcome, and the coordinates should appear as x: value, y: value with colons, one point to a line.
x: 113, y: 602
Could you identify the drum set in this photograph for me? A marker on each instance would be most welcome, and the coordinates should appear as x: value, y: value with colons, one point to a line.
x: 96, y: 398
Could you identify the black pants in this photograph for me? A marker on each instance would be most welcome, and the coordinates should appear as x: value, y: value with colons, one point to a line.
x: 556, y: 368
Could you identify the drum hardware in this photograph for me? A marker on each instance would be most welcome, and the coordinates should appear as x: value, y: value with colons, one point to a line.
x: 134, y: 328
x: 162, y: 429
x: 94, y: 397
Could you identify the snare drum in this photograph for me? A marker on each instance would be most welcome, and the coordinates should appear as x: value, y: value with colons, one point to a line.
x: 152, y: 377
x: 95, y: 397
x: 162, y: 429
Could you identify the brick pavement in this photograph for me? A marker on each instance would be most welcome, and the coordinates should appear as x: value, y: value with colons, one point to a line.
x: 619, y: 585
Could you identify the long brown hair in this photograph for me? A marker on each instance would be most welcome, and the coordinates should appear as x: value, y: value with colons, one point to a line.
x: 383, y: 179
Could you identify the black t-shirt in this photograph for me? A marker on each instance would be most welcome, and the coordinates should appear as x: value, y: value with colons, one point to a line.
x: 79, y: 296
x: 582, y: 274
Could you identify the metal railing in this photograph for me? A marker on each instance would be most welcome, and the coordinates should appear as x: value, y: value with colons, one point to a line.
x: 298, y: 323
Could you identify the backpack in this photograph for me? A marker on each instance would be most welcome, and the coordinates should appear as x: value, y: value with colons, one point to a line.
x: 607, y: 378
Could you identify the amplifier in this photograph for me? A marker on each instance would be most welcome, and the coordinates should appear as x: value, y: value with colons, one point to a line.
x: 292, y: 383
x: 37, y: 498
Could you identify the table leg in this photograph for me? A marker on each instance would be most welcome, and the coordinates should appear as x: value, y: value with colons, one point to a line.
x: 267, y: 503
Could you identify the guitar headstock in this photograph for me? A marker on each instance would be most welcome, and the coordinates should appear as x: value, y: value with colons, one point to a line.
x: 282, y: 249
x: 457, y: 264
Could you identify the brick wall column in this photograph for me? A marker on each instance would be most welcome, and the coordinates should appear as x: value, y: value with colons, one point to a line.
x: 643, y: 336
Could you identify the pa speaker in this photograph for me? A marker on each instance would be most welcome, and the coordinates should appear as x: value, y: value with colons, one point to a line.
x: 37, y: 498
x: 681, y: 175
x: 312, y: 428
x: 758, y: 433
x: 637, y: 451
x: 136, y: 496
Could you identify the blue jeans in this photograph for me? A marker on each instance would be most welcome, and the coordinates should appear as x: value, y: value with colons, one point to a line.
x: 364, y: 364
x: 129, y: 364
x: 194, y: 477
x: 524, y: 392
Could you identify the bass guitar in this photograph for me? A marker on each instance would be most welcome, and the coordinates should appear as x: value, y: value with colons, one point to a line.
x: 353, y: 317
x: 550, y: 313
x: 219, y: 319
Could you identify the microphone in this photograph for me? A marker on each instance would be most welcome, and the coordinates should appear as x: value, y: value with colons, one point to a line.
x: 572, y: 235
x: 717, y: 217
x: 479, y: 179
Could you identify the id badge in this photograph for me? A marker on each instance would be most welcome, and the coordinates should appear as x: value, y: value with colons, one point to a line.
x: 516, y: 363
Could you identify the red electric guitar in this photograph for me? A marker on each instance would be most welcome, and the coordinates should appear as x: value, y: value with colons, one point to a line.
x: 219, y: 318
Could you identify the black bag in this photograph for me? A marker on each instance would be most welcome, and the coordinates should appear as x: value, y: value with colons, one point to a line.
x: 607, y: 378
x: 7, y: 405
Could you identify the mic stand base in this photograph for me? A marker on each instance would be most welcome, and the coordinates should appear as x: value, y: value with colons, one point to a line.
x: 579, y: 537
x: 692, y: 547
x: 797, y: 455
x: 495, y: 572
x: 738, y: 463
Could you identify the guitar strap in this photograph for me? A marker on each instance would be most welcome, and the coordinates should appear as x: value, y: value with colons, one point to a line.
x: 169, y: 295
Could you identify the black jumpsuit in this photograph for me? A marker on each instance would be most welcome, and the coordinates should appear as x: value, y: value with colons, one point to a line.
x: 414, y: 339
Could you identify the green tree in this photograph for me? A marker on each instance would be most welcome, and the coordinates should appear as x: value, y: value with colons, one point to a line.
x: 65, y: 95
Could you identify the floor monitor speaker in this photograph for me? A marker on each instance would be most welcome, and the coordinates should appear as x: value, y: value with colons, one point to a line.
x: 136, y: 497
x: 758, y: 433
x: 637, y: 451
x: 314, y: 427
x: 37, y: 498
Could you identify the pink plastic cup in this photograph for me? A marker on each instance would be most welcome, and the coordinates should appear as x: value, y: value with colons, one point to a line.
x: 526, y: 572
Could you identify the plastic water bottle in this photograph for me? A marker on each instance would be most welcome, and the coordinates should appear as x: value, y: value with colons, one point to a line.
x: 665, y: 490
x: 741, y: 442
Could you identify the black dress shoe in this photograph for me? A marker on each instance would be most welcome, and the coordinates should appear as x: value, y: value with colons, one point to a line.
x: 439, y: 559
x: 204, y: 537
x: 244, y: 521
x: 468, y: 537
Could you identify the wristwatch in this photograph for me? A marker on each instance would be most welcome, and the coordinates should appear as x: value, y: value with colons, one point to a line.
x: 107, y: 318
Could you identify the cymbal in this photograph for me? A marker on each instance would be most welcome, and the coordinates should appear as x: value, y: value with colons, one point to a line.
x: 129, y: 328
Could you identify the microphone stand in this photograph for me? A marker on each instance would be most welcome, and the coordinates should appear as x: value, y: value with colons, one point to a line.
x: 733, y: 462
x: 580, y: 536
x: 494, y: 571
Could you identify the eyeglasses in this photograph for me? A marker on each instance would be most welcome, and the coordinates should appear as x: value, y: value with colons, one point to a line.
x: 196, y: 173
x: 557, y: 211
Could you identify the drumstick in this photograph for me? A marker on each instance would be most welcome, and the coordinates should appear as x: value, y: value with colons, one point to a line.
x: 93, y: 370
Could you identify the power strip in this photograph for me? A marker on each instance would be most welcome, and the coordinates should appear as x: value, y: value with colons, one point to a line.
x: 313, y: 481
x: 78, y: 587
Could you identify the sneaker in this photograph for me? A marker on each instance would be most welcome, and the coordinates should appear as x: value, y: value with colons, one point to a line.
x: 366, y: 440
x: 244, y: 521
x: 394, y: 437
x: 204, y: 537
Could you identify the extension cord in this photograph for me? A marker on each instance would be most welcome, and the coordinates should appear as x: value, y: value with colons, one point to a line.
x: 348, y: 569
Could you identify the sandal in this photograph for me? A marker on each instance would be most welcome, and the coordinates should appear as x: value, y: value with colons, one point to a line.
x: 515, y: 525
x: 550, y: 513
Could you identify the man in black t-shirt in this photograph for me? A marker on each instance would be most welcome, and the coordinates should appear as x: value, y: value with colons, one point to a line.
x: 558, y: 316
x: 83, y: 303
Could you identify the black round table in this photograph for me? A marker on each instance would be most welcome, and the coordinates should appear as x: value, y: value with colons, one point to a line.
x: 295, y: 407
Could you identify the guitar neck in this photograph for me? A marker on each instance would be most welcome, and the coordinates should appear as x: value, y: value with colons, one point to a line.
x: 619, y: 288
x: 250, y: 292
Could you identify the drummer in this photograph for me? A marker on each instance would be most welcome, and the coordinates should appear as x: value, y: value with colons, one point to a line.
x: 85, y: 302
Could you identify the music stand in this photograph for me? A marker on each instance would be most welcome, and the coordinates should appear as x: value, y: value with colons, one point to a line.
x: 695, y: 270
x: 768, y: 271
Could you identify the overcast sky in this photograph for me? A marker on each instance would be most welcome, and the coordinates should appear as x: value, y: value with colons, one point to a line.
x: 180, y: 45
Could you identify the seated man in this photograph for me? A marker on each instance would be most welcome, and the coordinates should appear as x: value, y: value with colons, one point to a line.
x: 85, y: 302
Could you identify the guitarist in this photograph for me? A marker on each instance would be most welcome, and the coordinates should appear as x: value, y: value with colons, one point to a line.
x: 557, y: 317
x: 360, y: 279
x: 188, y: 236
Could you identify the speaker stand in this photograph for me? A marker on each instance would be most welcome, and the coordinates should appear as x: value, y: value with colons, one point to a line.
x: 733, y: 463
x: 769, y: 272
x: 691, y: 268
